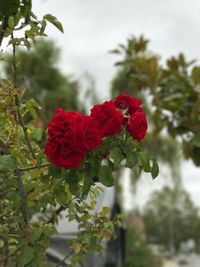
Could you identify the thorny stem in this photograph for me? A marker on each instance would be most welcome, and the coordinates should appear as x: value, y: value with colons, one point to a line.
x: 20, y: 119
x: 24, y: 207
x: 33, y: 167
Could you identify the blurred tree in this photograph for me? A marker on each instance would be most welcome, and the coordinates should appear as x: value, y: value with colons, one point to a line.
x: 138, y: 253
x: 137, y: 75
x: 40, y: 77
x: 173, y: 93
x: 165, y: 91
x: 170, y: 218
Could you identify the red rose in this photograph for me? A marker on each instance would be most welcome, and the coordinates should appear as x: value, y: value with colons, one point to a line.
x: 124, y: 101
x: 137, y: 125
x: 62, y: 153
x: 62, y: 122
x: 108, y: 118
x: 88, y: 133
x: 71, y: 135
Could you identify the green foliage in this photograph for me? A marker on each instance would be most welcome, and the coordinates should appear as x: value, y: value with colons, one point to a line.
x: 7, y: 162
x: 8, y: 8
x: 170, y: 218
x: 53, y: 20
x: 138, y: 254
x: 59, y: 90
x: 174, y: 90
x: 95, y: 228
x: 32, y: 192
x: 16, y: 15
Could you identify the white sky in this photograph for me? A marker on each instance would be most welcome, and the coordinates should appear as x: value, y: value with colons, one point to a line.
x: 93, y: 27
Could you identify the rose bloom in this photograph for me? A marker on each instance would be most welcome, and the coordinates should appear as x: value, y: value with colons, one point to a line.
x: 124, y: 101
x: 137, y: 125
x: 108, y: 118
x: 88, y: 134
x: 71, y: 135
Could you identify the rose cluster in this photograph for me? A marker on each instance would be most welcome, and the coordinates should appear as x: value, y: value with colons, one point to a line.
x: 72, y: 134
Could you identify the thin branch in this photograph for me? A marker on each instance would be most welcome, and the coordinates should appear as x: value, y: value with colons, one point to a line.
x: 64, y: 259
x: 23, y: 25
x: 33, y: 167
x: 24, y: 206
x: 20, y: 119
x: 26, y: 135
x: 60, y: 209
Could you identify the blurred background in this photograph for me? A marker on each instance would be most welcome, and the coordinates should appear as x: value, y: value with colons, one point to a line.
x: 149, y: 49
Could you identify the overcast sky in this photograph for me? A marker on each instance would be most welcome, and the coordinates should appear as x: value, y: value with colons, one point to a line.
x: 93, y: 27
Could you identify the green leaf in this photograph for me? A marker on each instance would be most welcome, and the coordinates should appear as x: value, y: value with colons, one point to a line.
x: 54, y: 172
x: 105, y: 211
x: 196, y: 74
x: 116, y: 155
x: 87, y: 183
x: 105, y: 176
x: 173, y: 97
x: 43, y: 27
x: 154, y: 170
x: 196, y: 140
x: 8, y: 7
x: 53, y: 20
x: 27, y: 255
x: 72, y: 179
x: 61, y: 195
x: 28, y: 6
x: 32, y: 106
x: 35, y: 234
x: 17, y: 17
x: 48, y: 230
x: 8, y: 32
x: 8, y: 162
x: 14, y: 197
x: 131, y: 159
x: 109, y: 226
x: 145, y: 161
x: 49, y: 17
x: 76, y: 247
x: 11, y: 22
x: 37, y: 134
x: 58, y: 25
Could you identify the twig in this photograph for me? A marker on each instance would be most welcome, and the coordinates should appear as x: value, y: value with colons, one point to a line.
x: 33, y: 167
x: 20, y: 119
x: 19, y: 28
x: 63, y: 260
x: 24, y: 207
x: 61, y: 208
